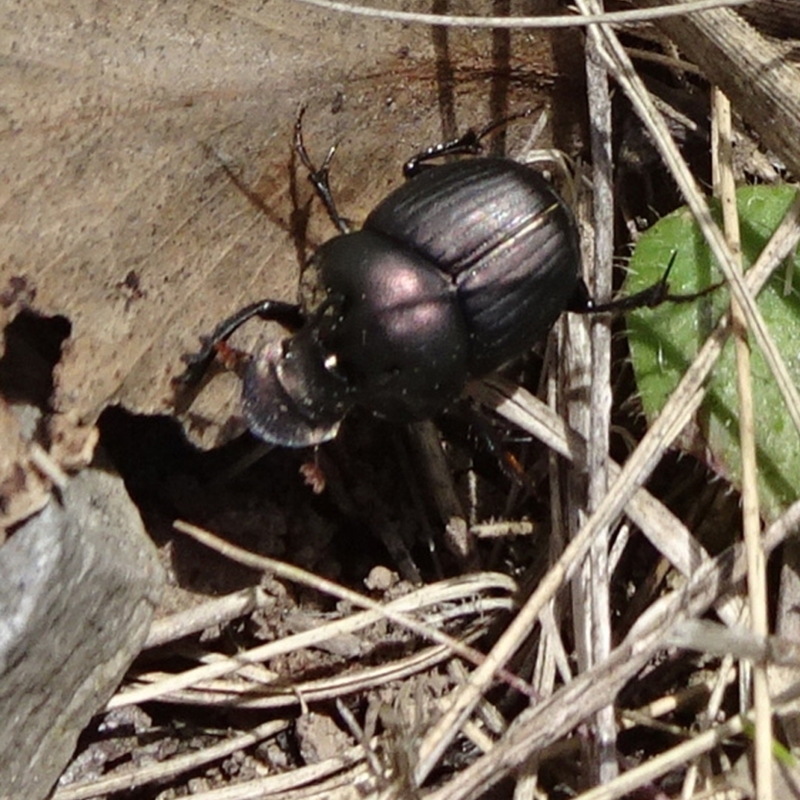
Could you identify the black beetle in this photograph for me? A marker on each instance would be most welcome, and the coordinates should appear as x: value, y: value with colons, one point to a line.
x: 463, y: 267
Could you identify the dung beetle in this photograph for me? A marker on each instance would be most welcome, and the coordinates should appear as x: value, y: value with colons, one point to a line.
x: 460, y: 269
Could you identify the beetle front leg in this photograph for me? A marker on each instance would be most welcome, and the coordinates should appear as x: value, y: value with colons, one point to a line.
x: 287, y: 314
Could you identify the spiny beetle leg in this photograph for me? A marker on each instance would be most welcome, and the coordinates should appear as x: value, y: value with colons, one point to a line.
x: 319, y: 177
x: 583, y: 303
x: 287, y: 314
x: 469, y: 144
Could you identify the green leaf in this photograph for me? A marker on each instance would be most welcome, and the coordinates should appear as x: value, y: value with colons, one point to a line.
x: 664, y: 341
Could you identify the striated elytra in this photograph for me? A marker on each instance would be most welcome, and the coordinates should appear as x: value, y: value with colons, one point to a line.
x: 463, y: 267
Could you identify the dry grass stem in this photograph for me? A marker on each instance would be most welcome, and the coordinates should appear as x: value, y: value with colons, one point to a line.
x: 543, y: 21
x: 725, y: 188
x: 194, y: 620
x: 467, y: 590
x: 564, y: 710
x: 620, y: 67
x: 135, y: 776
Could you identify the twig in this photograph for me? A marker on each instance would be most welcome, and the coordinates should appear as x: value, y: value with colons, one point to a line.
x: 544, y: 21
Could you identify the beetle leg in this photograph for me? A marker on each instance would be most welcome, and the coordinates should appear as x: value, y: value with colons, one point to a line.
x: 469, y: 144
x: 287, y: 314
x: 319, y: 177
x: 583, y: 303
x: 491, y: 440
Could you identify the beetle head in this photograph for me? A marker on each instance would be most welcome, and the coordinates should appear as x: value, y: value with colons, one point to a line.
x: 291, y: 395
